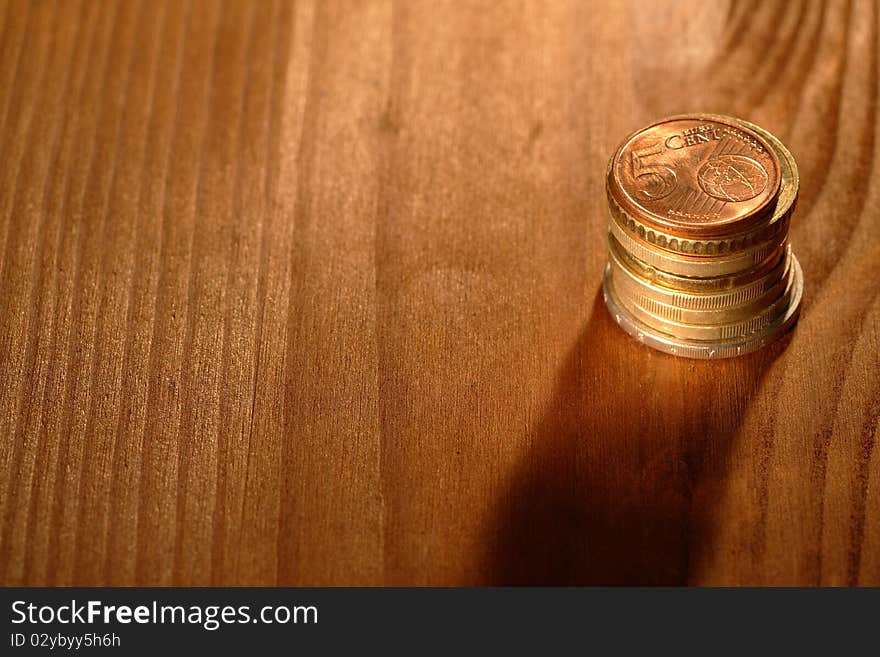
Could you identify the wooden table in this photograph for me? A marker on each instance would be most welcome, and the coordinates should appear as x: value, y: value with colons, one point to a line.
x: 310, y: 294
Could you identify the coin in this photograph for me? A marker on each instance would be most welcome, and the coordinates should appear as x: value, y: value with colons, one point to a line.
x: 695, y: 266
x: 716, y: 316
x: 691, y: 284
x: 710, y: 306
x: 702, y: 349
x: 650, y: 315
x: 696, y: 176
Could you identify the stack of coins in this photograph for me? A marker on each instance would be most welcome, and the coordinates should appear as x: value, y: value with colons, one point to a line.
x: 699, y: 263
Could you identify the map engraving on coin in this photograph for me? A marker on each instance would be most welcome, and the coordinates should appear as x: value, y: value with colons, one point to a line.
x: 733, y: 178
x: 695, y: 176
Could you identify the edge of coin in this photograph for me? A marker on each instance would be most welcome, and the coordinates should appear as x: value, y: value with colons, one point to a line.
x: 701, y: 349
x: 697, y: 325
x: 728, y: 300
x: 698, y: 248
x: 690, y: 284
x: 695, y: 266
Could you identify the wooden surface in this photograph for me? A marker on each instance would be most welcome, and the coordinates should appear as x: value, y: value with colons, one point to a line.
x: 310, y: 294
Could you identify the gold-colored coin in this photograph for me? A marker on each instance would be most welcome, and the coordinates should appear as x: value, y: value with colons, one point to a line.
x: 726, y: 331
x: 712, y: 307
x: 695, y: 285
x: 695, y: 266
x: 711, y: 317
x: 703, y: 349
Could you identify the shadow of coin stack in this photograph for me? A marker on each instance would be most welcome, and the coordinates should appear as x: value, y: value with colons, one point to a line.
x: 699, y: 263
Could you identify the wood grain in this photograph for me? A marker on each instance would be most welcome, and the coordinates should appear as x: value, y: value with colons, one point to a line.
x: 309, y: 294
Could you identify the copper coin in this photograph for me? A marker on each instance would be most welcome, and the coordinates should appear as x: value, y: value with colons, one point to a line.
x: 696, y: 176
